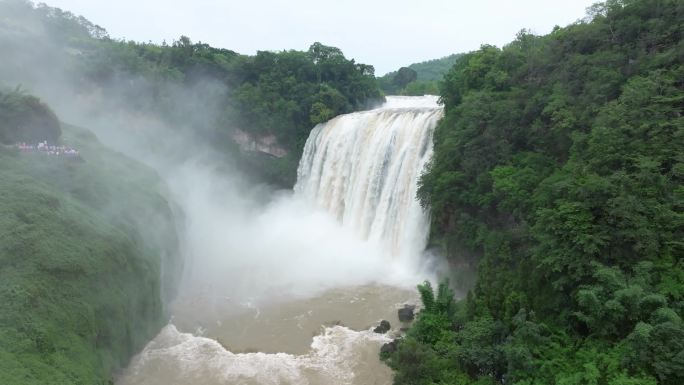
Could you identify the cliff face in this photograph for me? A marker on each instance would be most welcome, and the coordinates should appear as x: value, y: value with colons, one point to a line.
x: 88, y: 251
x: 266, y: 144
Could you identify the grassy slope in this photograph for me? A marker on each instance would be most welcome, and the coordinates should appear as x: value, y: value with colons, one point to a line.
x: 80, y: 288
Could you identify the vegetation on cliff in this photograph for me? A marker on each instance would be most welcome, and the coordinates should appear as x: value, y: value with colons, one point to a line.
x: 24, y: 118
x: 558, y: 172
x: 82, y: 245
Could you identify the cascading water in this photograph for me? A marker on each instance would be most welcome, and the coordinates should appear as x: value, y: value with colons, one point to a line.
x: 265, y: 279
x: 364, y: 167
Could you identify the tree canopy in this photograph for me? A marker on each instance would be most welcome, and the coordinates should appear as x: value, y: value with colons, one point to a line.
x: 558, y: 174
x: 189, y: 85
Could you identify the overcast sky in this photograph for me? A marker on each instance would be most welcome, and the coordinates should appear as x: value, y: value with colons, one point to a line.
x: 385, y: 33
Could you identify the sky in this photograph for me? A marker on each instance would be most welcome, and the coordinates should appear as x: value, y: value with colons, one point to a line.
x: 387, y: 34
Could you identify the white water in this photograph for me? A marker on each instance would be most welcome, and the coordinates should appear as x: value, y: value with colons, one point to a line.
x: 268, y: 279
x: 363, y: 168
x: 337, y: 356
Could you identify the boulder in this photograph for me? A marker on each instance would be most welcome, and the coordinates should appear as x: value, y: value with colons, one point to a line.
x: 389, y: 348
x: 406, y: 313
x: 383, y: 328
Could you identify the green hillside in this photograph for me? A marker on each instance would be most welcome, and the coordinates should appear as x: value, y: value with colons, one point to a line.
x: 434, y: 69
x: 421, y: 78
x: 82, y: 242
x: 559, y: 174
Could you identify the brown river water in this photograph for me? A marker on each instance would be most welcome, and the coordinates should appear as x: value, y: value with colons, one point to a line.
x: 288, y: 293
x: 326, y: 339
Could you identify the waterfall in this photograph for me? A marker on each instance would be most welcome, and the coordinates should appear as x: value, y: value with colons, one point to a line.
x: 363, y: 168
x: 275, y: 273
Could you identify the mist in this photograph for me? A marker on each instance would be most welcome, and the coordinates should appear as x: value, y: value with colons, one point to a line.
x: 262, y: 268
x: 239, y: 239
x: 243, y: 240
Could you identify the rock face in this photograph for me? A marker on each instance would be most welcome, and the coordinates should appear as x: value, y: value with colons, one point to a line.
x: 406, y: 313
x: 267, y: 144
x: 389, y: 347
x: 383, y: 328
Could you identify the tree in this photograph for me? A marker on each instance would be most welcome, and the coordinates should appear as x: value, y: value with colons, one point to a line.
x: 404, y: 76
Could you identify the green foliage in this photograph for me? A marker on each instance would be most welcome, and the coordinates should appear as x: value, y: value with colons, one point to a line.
x: 403, y: 77
x: 425, y: 81
x: 82, y: 284
x: 288, y: 92
x: 435, y: 69
x: 189, y: 85
x: 420, y: 88
x: 558, y: 172
x: 24, y: 118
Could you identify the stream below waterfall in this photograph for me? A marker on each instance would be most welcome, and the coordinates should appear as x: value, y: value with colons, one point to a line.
x: 289, y: 293
x: 326, y: 339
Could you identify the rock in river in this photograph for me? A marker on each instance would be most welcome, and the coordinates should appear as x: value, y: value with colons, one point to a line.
x: 406, y: 313
x: 384, y: 327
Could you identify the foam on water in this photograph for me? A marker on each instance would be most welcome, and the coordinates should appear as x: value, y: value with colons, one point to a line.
x: 411, y: 102
x: 338, y: 356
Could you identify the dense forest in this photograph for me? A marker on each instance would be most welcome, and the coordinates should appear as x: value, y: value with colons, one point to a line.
x: 206, y: 91
x: 558, y: 172
x: 82, y: 286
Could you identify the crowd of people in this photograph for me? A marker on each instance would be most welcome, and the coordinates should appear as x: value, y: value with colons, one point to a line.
x: 45, y: 148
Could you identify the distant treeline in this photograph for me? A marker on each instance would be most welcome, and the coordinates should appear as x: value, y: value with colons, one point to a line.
x: 418, y: 78
x: 558, y: 172
x: 281, y: 93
